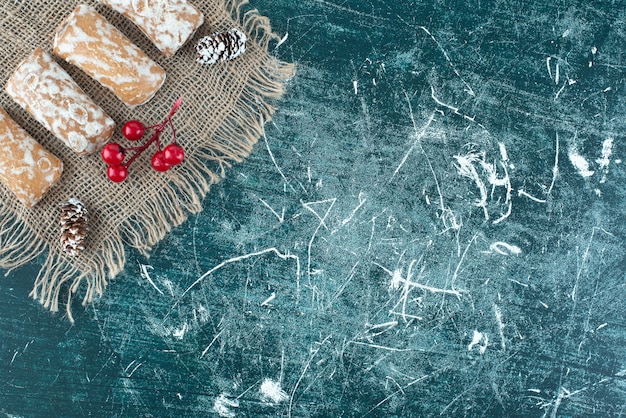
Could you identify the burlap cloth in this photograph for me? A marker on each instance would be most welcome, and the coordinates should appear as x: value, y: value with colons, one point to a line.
x: 222, y: 116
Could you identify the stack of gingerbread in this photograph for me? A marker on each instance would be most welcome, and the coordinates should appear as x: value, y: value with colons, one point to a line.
x: 46, y: 91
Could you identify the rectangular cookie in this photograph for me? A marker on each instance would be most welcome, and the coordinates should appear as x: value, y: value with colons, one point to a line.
x: 87, y: 40
x: 168, y: 24
x: 46, y: 91
x: 26, y: 167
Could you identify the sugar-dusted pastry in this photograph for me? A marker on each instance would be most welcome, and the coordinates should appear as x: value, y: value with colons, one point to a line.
x: 50, y: 95
x: 88, y: 41
x: 168, y: 24
x: 26, y: 167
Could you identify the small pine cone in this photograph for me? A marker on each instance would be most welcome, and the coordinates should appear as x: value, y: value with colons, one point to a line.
x: 73, y: 227
x: 222, y: 46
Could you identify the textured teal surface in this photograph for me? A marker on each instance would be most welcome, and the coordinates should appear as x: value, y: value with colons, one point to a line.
x: 433, y: 225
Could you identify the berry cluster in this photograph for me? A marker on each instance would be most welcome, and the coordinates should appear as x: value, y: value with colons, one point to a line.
x: 163, y: 159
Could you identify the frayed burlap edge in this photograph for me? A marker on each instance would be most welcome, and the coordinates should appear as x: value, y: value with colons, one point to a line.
x: 60, y: 277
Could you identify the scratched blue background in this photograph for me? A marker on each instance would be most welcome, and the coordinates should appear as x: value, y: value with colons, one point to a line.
x: 433, y: 225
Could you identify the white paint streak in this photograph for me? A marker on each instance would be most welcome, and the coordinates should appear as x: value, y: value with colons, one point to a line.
x: 607, y: 151
x: 475, y: 340
x: 272, y: 392
x: 179, y: 333
x: 605, y: 159
x: 382, y: 347
x: 282, y: 40
x: 479, y: 339
x: 504, y: 155
x: 271, y: 154
x: 331, y: 204
x: 223, y: 406
x: 281, y: 217
x: 579, y: 162
x: 555, y: 167
x: 468, y: 88
x: 522, y: 192
x: 133, y: 370
x: 286, y: 256
x: 416, y: 142
x: 398, y: 280
x: 304, y: 371
x: 385, y: 325
x: 505, y: 249
x: 465, y: 167
x: 585, y: 259
x: 455, y: 275
x: 267, y: 301
x: 549, y: 66
x: 211, y: 343
x: 145, y: 275
x: 498, y: 315
x: 362, y: 200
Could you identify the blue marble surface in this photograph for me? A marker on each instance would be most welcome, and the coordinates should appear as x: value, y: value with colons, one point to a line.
x: 432, y: 225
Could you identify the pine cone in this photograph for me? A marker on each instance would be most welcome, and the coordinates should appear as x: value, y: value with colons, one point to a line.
x: 222, y: 46
x: 73, y: 227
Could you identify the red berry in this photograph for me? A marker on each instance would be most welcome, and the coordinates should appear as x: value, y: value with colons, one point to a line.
x: 117, y: 173
x: 133, y: 130
x: 158, y: 162
x: 173, y: 154
x: 113, y: 153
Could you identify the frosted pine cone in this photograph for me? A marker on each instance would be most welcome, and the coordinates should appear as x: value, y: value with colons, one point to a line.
x: 73, y: 227
x: 222, y: 46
